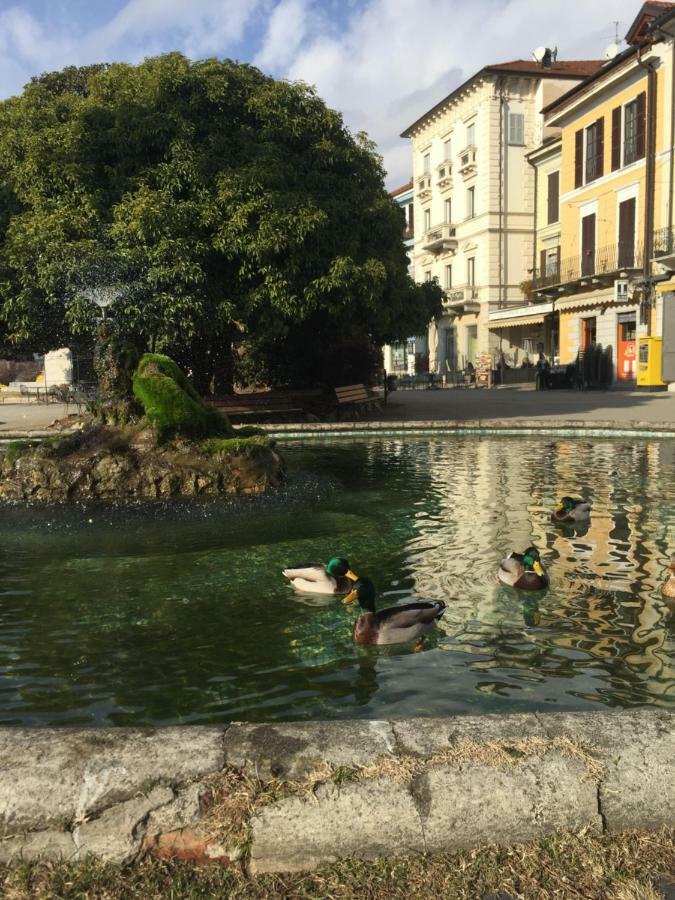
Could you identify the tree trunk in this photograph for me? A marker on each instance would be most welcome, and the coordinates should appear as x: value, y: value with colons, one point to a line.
x: 223, y: 367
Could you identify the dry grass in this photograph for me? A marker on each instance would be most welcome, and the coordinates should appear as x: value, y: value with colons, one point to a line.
x: 624, y: 866
x: 233, y: 796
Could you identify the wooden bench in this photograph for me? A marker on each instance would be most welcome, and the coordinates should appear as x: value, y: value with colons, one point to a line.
x: 355, y: 397
x: 257, y: 409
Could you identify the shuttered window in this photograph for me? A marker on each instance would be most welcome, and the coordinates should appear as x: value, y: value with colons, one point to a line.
x: 616, y: 139
x: 595, y: 148
x: 634, y: 130
x: 588, y: 245
x: 579, y: 158
x: 516, y: 128
x: 553, y: 197
x: 627, y: 234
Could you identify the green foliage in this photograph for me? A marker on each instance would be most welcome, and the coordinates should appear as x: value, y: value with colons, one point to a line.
x: 15, y: 449
x: 170, y: 402
x: 225, y: 203
x: 237, y: 446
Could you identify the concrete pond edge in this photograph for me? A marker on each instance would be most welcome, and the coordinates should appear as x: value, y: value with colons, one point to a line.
x: 281, y: 797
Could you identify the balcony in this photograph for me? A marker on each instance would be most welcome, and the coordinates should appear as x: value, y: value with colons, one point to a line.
x: 467, y: 162
x: 663, y: 251
x: 423, y: 187
x: 595, y: 268
x: 444, y: 175
x: 440, y: 239
x: 462, y: 300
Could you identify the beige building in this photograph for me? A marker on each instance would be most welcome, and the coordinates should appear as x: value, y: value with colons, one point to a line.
x: 474, y: 198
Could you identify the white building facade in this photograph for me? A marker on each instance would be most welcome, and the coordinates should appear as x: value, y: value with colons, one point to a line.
x: 474, y: 200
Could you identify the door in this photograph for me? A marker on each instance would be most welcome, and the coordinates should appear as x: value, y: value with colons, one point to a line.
x: 626, y: 355
x: 471, y: 343
x: 588, y: 245
x: 627, y: 234
x: 588, y: 332
x: 450, y: 349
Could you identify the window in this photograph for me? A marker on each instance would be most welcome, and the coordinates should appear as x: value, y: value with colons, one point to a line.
x: 448, y: 211
x: 634, y: 130
x: 553, y: 197
x: 588, y: 245
x: 471, y: 135
x: 471, y: 272
x: 470, y: 202
x: 516, y: 128
x: 411, y: 218
x: 550, y: 264
x: 427, y: 219
x: 427, y: 275
x: 627, y: 234
x: 448, y: 277
x: 447, y: 149
x: 594, y: 150
x: 427, y: 163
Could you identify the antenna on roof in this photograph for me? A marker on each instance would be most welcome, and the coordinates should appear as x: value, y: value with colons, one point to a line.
x: 545, y: 56
x: 612, y: 51
x: 616, y: 31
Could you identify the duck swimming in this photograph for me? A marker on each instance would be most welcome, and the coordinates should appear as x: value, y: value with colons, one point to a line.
x: 523, y: 571
x: 571, y: 510
x: 334, y: 578
x: 395, y: 625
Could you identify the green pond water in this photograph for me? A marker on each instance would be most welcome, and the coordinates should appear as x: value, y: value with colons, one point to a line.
x: 179, y: 614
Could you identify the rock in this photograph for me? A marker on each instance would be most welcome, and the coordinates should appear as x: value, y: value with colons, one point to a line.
x: 292, y: 750
x: 56, y: 776
x: 188, y: 846
x: 473, y: 804
x: 362, y: 819
x: 424, y: 737
x: 117, y: 834
x: 50, y: 845
x: 183, y: 811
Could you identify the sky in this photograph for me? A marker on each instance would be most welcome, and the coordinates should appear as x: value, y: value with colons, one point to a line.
x: 382, y: 63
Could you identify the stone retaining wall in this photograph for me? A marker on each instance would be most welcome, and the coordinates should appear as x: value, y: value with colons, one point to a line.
x: 284, y: 797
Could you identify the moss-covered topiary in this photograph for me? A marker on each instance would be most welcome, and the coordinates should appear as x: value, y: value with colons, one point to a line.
x: 171, y: 404
x: 237, y: 446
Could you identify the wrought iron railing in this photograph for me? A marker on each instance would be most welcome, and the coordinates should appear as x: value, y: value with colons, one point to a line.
x: 664, y: 242
x: 601, y: 261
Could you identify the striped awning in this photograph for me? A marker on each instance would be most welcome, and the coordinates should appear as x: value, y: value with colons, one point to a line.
x: 514, y: 323
x: 572, y: 303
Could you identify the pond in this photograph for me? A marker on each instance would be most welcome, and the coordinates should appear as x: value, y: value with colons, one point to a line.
x: 179, y: 614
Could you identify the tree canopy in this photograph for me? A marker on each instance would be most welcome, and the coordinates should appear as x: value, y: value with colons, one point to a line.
x: 224, y: 205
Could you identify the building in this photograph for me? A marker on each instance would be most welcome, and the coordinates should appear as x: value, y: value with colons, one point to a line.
x: 602, y: 259
x: 474, y: 197
x: 411, y: 356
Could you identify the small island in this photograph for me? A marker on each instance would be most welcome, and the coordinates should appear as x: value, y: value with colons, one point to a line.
x: 161, y: 441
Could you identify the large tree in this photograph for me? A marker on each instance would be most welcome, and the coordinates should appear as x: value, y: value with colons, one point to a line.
x: 222, y: 205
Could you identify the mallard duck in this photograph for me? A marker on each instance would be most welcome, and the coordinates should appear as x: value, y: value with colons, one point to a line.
x: 571, y: 510
x: 334, y: 578
x: 523, y: 571
x: 395, y: 625
x: 668, y: 589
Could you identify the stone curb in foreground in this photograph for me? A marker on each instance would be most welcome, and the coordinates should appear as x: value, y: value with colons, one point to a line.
x: 118, y: 793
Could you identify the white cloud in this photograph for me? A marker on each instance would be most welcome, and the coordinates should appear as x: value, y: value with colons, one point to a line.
x: 381, y: 62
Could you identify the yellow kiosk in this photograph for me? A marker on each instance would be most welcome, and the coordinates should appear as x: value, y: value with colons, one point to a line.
x: 649, y: 363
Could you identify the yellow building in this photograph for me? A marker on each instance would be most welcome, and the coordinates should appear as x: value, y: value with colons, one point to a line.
x: 603, y: 253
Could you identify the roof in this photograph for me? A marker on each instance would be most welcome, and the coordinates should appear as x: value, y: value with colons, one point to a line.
x: 585, y: 85
x: 401, y: 190
x: 649, y: 11
x: 567, y: 68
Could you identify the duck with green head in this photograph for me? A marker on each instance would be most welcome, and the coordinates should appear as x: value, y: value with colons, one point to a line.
x: 313, y: 578
x: 570, y: 510
x: 523, y: 571
x: 394, y: 625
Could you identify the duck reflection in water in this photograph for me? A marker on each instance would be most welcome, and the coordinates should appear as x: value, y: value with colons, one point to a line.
x: 531, y: 614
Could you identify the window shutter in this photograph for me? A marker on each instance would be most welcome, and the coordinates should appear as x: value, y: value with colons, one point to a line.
x: 579, y: 158
x: 600, y: 148
x: 553, y: 197
x: 616, y: 139
x: 542, y: 264
x: 516, y: 128
x: 557, y: 263
x: 640, y: 125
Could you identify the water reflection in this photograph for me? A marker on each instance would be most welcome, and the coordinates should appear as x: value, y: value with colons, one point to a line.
x: 181, y: 615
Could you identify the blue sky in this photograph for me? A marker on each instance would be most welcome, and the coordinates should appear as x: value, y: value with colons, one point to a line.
x: 382, y: 63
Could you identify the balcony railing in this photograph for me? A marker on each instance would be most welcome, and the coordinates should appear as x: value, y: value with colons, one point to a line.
x: 596, y: 264
x: 440, y: 238
x: 467, y: 162
x: 462, y: 299
x: 663, y: 250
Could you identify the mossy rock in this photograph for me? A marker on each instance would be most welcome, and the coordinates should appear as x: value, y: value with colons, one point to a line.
x: 171, y: 404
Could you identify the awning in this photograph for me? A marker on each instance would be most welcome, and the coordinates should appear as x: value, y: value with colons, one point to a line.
x: 573, y: 303
x: 666, y: 286
x: 514, y: 323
